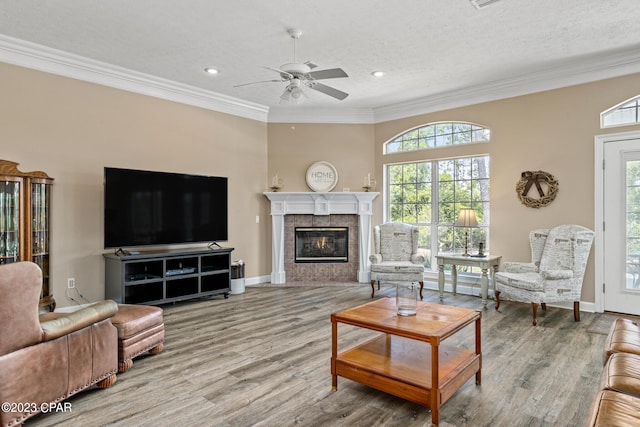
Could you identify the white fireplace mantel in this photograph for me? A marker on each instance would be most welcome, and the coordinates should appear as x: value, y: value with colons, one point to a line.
x: 300, y: 203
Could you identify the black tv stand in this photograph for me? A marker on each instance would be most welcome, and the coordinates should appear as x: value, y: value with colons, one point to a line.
x: 160, y: 277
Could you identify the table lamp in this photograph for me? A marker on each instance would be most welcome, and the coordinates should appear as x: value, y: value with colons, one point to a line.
x: 466, y: 219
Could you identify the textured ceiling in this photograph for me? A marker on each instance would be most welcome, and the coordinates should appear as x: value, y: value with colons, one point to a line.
x: 426, y: 47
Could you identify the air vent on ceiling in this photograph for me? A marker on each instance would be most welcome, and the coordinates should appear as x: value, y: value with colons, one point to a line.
x: 479, y: 4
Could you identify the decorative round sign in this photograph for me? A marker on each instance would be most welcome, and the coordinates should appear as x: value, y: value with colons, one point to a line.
x: 546, y: 188
x: 322, y: 176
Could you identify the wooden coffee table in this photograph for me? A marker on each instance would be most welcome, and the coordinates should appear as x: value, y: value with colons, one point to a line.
x: 407, y: 359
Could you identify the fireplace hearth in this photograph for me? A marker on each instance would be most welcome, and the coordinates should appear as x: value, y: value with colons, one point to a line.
x: 321, y: 244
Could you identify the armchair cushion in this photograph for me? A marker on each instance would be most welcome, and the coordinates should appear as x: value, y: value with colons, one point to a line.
x: 397, y: 267
x: 527, y: 281
x: 556, y: 274
x: 519, y: 267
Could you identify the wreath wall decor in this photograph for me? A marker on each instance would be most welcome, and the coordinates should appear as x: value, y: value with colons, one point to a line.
x: 536, y: 189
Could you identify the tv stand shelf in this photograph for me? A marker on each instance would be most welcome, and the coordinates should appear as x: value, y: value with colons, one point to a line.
x: 160, y: 277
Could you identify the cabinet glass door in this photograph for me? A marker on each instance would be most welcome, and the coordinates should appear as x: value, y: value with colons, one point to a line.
x: 40, y: 202
x: 9, y: 221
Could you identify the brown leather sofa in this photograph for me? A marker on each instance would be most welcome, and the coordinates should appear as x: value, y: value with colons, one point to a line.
x: 44, y: 362
x: 618, y: 402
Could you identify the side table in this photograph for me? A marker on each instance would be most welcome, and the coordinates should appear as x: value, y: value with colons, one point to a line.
x: 485, y: 263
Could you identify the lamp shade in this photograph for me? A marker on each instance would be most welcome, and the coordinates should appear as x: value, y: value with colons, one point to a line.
x: 466, y: 218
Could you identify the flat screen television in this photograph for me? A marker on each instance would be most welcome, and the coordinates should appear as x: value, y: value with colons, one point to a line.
x: 145, y: 208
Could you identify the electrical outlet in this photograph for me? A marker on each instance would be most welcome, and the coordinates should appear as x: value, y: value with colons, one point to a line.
x: 257, y: 219
x: 71, y: 283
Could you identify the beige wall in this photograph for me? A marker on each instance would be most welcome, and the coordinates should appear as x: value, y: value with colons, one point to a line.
x: 294, y: 147
x: 72, y: 130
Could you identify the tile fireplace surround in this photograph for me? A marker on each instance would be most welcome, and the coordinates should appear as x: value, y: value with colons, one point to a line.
x: 325, y: 204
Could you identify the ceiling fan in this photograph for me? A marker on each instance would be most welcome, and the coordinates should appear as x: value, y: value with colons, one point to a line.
x: 298, y: 74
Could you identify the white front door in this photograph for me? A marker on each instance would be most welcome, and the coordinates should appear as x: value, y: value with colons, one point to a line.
x: 621, y: 236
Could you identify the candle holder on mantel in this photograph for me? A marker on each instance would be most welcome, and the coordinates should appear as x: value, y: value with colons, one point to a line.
x: 276, y: 184
x: 369, y: 183
x: 370, y: 187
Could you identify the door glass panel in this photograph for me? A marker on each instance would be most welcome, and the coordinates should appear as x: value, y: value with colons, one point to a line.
x: 632, y: 224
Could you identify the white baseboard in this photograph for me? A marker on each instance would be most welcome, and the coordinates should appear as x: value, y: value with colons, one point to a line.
x: 257, y: 280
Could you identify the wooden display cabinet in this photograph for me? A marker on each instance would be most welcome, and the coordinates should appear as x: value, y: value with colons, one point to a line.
x: 25, y: 200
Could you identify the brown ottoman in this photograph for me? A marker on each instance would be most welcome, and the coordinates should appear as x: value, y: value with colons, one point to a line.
x: 613, y: 409
x: 624, y: 337
x: 622, y: 374
x: 140, y: 329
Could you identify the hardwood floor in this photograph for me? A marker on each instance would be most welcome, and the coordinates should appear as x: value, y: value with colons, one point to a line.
x: 262, y: 358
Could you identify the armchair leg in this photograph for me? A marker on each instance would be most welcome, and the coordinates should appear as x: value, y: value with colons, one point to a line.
x: 534, y: 307
x: 543, y: 305
x: 373, y: 290
x: 497, y: 295
x: 576, y: 311
x: 421, y: 286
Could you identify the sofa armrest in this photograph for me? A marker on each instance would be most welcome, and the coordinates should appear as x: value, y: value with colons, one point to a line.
x: 375, y: 258
x: 556, y: 274
x: 64, y: 325
x: 519, y: 267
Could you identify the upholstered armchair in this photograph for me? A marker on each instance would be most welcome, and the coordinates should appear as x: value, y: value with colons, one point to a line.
x: 555, y: 273
x: 45, y: 362
x: 395, y: 258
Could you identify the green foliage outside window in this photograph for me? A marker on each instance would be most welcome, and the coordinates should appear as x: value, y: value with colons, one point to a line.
x: 437, y: 135
x: 633, y: 210
x: 455, y: 184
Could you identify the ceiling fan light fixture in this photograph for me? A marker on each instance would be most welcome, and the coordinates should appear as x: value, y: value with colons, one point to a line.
x: 297, y: 95
x: 298, y: 74
x: 285, y: 98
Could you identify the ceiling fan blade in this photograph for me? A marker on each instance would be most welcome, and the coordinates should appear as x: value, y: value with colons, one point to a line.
x: 262, y: 81
x: 328, y: 90
x: 277, y: 70
x: 332, y: 73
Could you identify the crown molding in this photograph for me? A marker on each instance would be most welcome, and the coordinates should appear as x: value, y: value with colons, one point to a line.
x: 570, y: 73
x: 302, y: 114
x: 38, y: 57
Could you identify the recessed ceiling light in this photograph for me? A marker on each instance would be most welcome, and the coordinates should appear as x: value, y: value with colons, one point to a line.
x: 211, y: 70
x: 377, y: 73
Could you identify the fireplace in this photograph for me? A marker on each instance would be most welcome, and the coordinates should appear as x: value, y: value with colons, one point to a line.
x: 332, y: 209
x: 321, y: 244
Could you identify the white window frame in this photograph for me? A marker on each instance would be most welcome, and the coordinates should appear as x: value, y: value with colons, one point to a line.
x: 616, y: 108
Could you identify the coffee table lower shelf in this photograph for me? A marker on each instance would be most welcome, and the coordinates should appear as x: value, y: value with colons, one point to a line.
x: 404, y: 367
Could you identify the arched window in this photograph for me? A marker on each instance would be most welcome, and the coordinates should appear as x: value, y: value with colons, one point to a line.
x: 624, y: 113
x: 430, y: 192
x: 440, y: 134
